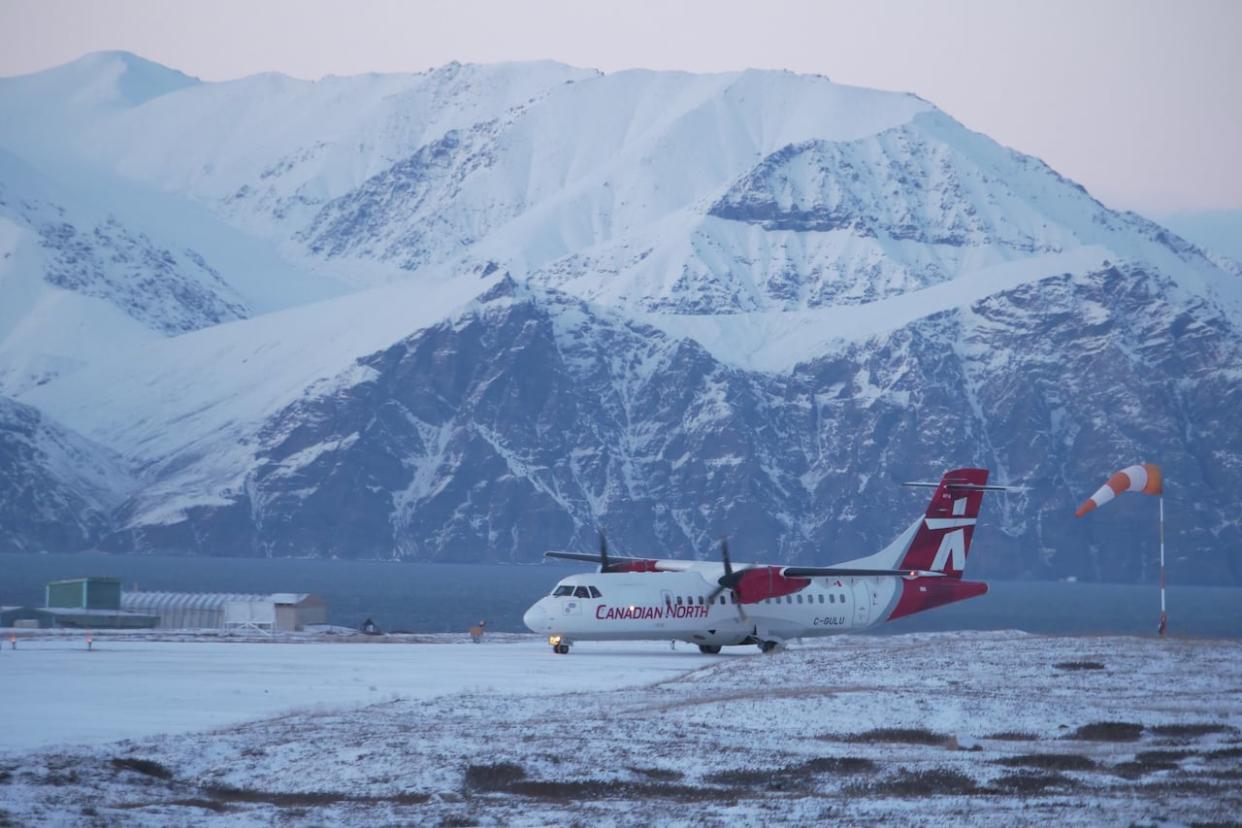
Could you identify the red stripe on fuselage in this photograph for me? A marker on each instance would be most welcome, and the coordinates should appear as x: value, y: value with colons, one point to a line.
x: 644, y: 565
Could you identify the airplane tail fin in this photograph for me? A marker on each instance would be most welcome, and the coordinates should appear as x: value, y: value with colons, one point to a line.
x: 939, y: 541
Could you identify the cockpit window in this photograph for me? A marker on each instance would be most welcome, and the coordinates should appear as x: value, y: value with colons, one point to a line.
x: 582, y: 592
x: 563, y: 590
x: 595, y: 593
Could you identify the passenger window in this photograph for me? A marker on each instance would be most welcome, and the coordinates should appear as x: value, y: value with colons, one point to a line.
x: 842, y: 597
x: 700, y: 600
x: 595, y: 593
x: 679, y: 600
x: 799, y: 599
x: 563, y: 590
x: 582, y: 592
x: 821, y: 597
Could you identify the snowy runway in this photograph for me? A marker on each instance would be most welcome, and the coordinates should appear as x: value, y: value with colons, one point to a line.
x: 58, y: 692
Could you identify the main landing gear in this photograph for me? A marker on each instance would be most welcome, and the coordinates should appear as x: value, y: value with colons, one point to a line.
x: 559, y: 645
x: 771, y: 646
x: 709, y: 649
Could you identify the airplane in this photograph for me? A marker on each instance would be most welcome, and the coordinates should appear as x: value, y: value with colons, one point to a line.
x: 716, y: 605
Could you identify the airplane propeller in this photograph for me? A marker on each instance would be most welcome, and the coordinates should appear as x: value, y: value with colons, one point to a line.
x: 603, y: 551
x: 729, y: 580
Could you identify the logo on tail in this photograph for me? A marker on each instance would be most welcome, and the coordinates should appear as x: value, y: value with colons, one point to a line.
x: 942, y: 540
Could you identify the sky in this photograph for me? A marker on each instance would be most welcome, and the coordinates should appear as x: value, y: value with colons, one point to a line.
x: 1138, y: 100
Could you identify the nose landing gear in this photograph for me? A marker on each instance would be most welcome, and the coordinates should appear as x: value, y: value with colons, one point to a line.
x: 559, y: 645
x: 709, y: 649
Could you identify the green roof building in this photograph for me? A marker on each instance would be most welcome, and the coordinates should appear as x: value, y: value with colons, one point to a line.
x: 84, y: 593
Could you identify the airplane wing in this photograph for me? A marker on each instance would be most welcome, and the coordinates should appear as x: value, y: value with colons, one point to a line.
x: 847, y: 572
x: 589, y: 557
x: 621, y: 562
x: 624, y: 563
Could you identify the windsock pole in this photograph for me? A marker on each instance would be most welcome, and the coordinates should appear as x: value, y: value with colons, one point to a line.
x: 1149, y: 480
x: 1164, y: 616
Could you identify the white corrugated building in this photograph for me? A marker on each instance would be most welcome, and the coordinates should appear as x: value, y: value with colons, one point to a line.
x: 285, y: 611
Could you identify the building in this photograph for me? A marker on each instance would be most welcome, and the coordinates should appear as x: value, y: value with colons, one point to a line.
x: 84, y: 593
x: 185, y: 610
x: 296, y: 610
x: 81, y: 603
x: 283, y: 611
x: 99, y: 603
x: 81, y: 619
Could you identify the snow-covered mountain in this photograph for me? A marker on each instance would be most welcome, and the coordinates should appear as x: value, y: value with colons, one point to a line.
x: 59, y: 489
x: 477, y: 312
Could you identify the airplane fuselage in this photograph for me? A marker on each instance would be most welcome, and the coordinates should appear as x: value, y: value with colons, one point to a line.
x: 675, y: 606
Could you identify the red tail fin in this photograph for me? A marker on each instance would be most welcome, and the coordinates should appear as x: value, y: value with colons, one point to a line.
x: 942, y: 541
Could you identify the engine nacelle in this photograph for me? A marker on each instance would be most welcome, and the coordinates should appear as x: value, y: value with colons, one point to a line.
x: 754, y: 585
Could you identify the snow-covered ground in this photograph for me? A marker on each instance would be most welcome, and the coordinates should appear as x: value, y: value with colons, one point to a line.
x: 58, y: 692
x: 949, y: 728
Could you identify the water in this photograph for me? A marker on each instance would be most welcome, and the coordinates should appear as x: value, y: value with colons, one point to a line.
x: 451, y: 597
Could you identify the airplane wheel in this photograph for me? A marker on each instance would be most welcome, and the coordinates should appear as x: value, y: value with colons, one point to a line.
x: 708, y: 649
x: 768, y: 646
x: 561, y: 649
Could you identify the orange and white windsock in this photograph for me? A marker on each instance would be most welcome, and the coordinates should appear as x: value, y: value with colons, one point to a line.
x: 1144, y: 479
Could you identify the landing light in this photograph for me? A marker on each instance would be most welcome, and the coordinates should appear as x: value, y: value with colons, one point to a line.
x: 554, y: 640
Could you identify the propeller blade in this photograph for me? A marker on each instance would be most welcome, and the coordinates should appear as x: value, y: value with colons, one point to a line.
x: 737, y: 579
x: 603, y: 551
x: 730, y: 579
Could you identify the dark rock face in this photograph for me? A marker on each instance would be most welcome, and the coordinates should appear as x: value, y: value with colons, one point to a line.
x: 527, y: 423
x: 902, y: 184
x: 170, y: 291
x: 147, y: 282
x: 56, y: 488
x: 399, y: 213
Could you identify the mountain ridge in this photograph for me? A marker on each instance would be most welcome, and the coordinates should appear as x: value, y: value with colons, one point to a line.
x: 678, y: 305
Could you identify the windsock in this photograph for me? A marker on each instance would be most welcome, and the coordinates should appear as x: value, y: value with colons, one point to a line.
x: 1145, y: 479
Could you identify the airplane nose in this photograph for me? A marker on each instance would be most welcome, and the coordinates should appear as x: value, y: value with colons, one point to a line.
x: 536, y: 619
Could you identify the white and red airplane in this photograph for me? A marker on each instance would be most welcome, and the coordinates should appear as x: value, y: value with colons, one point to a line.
x: 719, y: 604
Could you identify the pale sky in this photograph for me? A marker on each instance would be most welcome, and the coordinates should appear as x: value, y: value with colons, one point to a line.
x: 1138, y: 100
